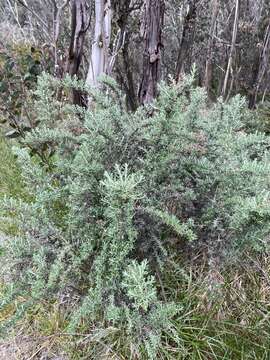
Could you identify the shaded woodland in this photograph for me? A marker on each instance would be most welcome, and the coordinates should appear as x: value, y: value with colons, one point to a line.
x: 140, y: 43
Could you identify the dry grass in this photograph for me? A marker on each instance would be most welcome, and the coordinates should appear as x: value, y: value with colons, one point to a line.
x: 225, y: 316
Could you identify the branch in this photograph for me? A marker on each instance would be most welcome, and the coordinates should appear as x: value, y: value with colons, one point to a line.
x: 21, y: 2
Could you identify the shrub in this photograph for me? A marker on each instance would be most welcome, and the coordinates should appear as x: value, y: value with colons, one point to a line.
x: 111, y: 190
x: 20, y: 64
x: 10, y: 176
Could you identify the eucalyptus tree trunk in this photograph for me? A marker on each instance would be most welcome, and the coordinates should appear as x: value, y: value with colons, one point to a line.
x: 187, y: 37
x: 78, y: 29
x: 232, y: 49
x: 152, y: 31
x: 261, y: 70
x: 58, y: 10
x: 209, y: 58
x: 99, y: 60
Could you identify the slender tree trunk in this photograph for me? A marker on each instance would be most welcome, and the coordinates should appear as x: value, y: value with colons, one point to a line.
x: 58, y: 71
x: 253, y: 80
x: 78, y: 28
x: 124, y: 61
x: 126, y: 76
x: 153, y: 22
x: 186, y: 40
x: 209, y: 57
x: 232, y: 50
x: 261, y: 68
x: 100, y: 48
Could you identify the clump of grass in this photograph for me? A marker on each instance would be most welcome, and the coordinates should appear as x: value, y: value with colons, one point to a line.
x: 10, y: 176
x: 225, y: 316
x: 11, y: 184
x: 225, y: 311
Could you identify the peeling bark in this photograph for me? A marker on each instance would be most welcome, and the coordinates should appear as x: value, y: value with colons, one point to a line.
x: 260, y: 69
x: 187, y: 38
x: 78, y: 28
x: 58, y: 10
x: 209, y: 58
x: 152, y: 31
x: 99, y: 60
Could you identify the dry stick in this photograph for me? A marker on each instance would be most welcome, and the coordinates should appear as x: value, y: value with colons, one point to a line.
x: 89, y: 337
x: 15, y: 16
x: 264, y: 94
x: 24, y: 4
x: 231, y: 84
x: 39, y: 19
x: 118, y: 45
x: 16, y: 11
x: 44, y: 346
x: 161, y: 286
x: 234, y: 35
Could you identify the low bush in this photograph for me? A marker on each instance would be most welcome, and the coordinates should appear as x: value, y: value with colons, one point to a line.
x: 113, y: 194
x: 10, y: 175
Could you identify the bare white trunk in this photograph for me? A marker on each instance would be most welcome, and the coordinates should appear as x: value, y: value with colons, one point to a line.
x: 107, y: 33
x: 232, y: 50
x: 100, y: 48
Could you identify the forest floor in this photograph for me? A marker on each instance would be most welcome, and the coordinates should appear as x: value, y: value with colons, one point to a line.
x: 27, y: 348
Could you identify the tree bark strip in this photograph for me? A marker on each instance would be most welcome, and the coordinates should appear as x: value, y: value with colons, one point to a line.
x: 232, y: 50
x: 261, y: 68
x: 78, y: 28
x: 56, y: 32
x: 153, y: 23
x: 100, y: 48
x: 209, y: 58
x: 187, y: 35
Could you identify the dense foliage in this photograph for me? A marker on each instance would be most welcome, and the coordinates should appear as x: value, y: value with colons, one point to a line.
x: 134, y: 203
x: 20, y: 64
x: 113, y: 196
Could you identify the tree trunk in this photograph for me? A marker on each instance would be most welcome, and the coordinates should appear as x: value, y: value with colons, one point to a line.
x: 261, y: 68
x: 153, y: 22
x: 124, y: 60
x: 209, y: 56
x: 232, y: 50
x: 78, y: 28
x: 100, y: 48
x: 253, y: 80
x: 58, y: 70
x: 187, y: 35
x: 126, y: 76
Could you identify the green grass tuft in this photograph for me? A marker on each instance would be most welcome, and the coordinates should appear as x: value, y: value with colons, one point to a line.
x: 10, y: 176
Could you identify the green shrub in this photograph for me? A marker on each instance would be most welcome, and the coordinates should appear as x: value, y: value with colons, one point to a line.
x: 20, y: 64
x: 111, y: 189
x: 10, y: 177
x: 262, y: 121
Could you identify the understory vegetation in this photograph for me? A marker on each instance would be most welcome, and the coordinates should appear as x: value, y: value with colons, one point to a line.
x: 137, y: 235
x: 134, y: 198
